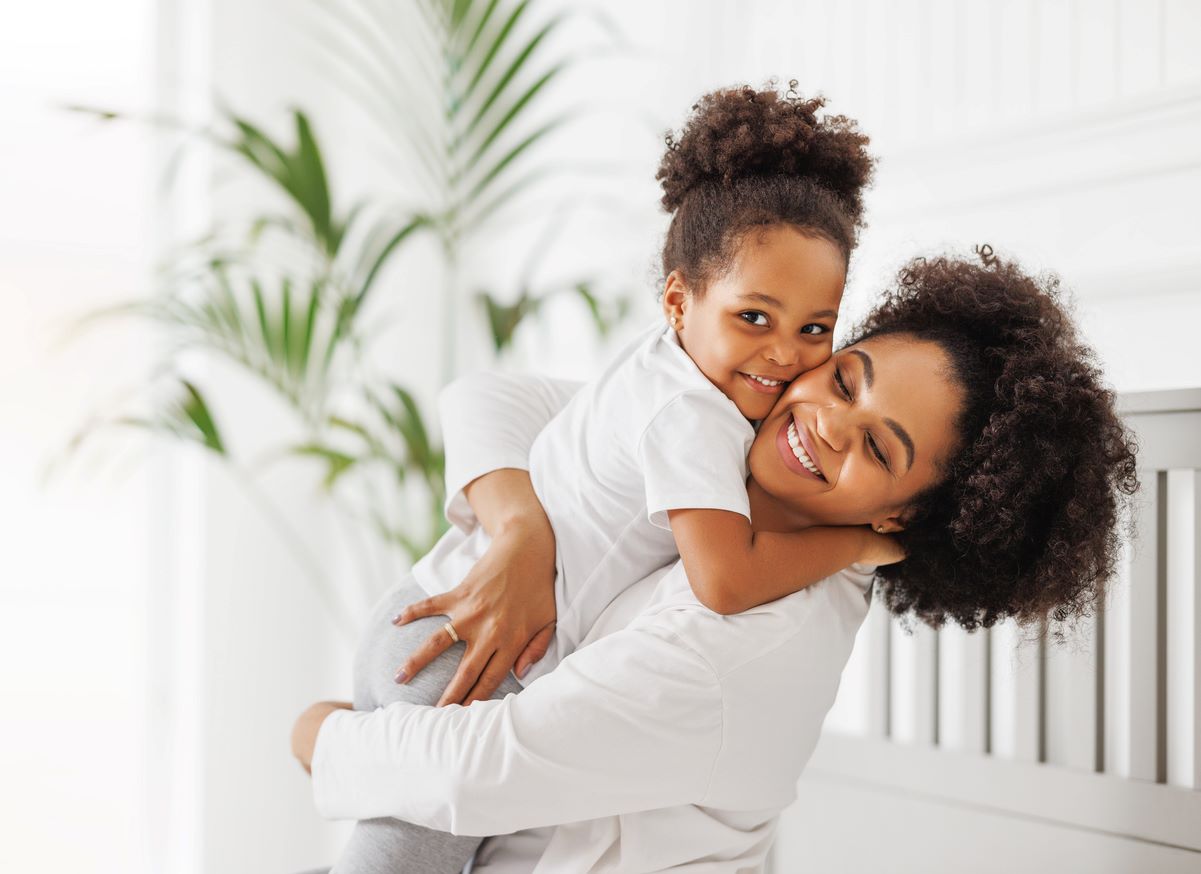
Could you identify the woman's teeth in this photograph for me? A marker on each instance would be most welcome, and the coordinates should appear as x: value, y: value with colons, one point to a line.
x: 768, y: 382
x: 794, y: 440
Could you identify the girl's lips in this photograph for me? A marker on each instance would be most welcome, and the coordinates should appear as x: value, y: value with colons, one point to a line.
x: 756, y: 385
x: 786, y: 453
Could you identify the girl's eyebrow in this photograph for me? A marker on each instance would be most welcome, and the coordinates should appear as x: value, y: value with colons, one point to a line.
x: 760, y: 297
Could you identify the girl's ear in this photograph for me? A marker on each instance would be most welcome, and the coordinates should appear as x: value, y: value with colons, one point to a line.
x: 675, y: 299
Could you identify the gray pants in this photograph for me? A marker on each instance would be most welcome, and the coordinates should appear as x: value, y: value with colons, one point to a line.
x: 392, y: 846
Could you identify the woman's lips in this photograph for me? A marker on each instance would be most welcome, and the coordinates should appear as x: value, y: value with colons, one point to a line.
x: 761, y: 388
x: 786, y: 453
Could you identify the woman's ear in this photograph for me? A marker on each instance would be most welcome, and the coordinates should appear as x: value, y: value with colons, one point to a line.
x: 675, y: 299
x: 889, y: 524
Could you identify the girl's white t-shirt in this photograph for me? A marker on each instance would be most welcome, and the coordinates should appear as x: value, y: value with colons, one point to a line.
x: 649, y: 435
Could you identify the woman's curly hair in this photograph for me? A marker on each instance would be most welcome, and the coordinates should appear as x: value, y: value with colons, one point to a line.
x: 1025, y: 523
x: 750, y: 159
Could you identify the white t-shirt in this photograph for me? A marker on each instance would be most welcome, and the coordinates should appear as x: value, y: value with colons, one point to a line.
x: 649, y: 435
x: 671, y: 740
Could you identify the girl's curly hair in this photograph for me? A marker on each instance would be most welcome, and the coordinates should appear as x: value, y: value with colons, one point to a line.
x: 1025, y: 523
x: 756, y: 158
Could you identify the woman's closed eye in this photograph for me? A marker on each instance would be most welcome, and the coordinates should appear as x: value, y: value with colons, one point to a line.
x: 872, y: 444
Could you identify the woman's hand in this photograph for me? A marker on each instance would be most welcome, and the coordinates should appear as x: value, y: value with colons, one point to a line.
x: 504, y: 610
x: 308, y: 724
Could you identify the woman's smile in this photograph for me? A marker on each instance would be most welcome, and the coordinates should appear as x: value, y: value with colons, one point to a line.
x: 796, y: 449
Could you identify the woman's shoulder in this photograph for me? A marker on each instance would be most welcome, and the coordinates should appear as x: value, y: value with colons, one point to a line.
x: 819, y: 617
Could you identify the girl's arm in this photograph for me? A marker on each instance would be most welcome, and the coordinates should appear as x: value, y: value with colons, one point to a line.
x: 732, y: 568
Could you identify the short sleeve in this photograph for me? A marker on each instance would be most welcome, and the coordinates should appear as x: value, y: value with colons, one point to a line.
x: 693, y: 456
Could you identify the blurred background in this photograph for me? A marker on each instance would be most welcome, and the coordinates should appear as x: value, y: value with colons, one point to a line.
x: 243, y: 245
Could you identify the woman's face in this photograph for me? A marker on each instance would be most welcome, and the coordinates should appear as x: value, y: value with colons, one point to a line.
x: 765, y: 320
x: 853, y: 441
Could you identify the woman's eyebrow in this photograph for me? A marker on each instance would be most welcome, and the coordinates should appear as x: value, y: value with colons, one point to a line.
x: 869, y: 376
x: 869, y: 369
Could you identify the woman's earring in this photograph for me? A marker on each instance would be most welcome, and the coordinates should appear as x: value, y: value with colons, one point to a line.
x: 673, y: 321
x: 880, y: 529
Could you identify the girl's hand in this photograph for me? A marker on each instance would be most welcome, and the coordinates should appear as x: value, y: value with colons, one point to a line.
x: 881, y: 549
x: 504, y: 610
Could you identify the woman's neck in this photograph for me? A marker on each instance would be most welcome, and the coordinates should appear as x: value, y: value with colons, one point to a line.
x: 768, y: 513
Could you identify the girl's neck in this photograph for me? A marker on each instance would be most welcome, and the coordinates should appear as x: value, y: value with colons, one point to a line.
x: 769, y: 513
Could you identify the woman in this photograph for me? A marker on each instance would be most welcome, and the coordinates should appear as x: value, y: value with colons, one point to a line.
x: 675, y: 741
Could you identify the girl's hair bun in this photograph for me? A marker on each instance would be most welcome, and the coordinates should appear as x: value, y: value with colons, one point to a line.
x: 735, y: 133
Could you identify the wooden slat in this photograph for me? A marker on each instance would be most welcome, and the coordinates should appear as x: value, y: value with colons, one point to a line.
x: 913, y: 690
x: 963, y: 689
x: 1070, y: 703
x: 879, y: 671
x: 1016, y: 695
x: 1182, y: 646
x: 1137, y: 742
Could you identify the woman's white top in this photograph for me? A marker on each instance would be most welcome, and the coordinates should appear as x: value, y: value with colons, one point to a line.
x: 669, y: 741
x: 649, y: 435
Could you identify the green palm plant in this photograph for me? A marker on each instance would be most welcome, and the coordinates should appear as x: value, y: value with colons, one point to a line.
x: 458, y: 86
x: 481, y: 72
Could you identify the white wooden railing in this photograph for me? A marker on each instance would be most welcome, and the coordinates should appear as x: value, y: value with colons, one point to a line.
x: 1103, y: 733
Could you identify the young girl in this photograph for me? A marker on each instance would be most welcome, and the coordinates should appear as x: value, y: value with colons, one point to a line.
x: 649, y: 461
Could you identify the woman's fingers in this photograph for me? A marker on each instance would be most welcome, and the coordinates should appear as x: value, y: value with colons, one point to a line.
x: 490, y: 679
x: 432, y: 606
x: 534, y: 650
x: 474, y: 662
x: 436, y: 644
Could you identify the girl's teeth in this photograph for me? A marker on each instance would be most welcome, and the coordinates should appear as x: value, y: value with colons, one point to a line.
x: 794, y: 440
x: 768, y: 382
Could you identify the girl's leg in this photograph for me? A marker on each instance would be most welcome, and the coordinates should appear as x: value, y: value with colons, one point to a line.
x: 391, y: 846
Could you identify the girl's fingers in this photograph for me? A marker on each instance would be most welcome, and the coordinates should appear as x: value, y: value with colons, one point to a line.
x: 470, y: 669
x: 534, y: 650
x: 436, y: 644
x: 432, y: 606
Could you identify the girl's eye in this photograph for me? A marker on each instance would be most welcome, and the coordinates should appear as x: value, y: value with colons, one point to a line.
x: 752, y: 317
x: 875, y: 447
x: 814, y: 328
x: 842, y: 386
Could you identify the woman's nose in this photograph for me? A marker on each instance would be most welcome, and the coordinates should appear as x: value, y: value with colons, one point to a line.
x: 832, y: 426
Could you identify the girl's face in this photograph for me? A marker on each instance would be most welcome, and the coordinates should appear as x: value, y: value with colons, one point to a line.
x: 856, y: 439
x: 768, y: 319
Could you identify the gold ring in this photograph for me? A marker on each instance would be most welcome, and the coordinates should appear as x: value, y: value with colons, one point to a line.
x: 450, y: 629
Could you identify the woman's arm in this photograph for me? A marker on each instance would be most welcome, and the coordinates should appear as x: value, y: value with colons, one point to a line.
x: 489, y: 423
x: 504, y: 609
x: 584, y: 741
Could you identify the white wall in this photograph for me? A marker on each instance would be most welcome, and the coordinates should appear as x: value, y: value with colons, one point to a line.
x: 73, y: 646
